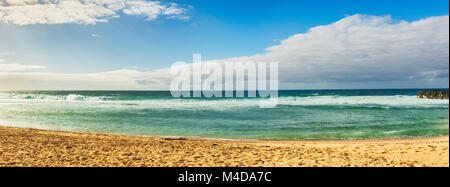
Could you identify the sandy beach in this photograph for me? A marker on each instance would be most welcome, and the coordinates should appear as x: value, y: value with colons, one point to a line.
x: 32, y: 147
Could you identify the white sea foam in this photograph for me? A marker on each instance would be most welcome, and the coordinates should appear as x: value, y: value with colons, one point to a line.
x: 219, y: 104
x: 398, y: 100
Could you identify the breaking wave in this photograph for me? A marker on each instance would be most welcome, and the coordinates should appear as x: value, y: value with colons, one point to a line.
x: 397, y: 100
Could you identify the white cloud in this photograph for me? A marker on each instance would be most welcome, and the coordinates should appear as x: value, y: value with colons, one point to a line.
x: 96, y: 35
x: 353, y: 51
x: 3, y: 54
x: 16, y: 67
x: 19, y: 67
x: 26, y: 12
x: 2, y: 60
x: 152, y: 9
x: 116, y: 80
x: 363, y: 48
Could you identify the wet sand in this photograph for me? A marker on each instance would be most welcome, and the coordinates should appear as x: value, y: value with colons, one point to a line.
x: 31, y: 147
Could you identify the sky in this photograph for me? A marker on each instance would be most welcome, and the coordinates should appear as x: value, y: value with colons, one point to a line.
x: 120, y: 44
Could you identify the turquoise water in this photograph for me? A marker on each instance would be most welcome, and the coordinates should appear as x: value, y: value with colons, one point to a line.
x: 305, y: 114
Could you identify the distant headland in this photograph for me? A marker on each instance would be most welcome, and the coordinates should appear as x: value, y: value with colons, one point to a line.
x: 433, y: 94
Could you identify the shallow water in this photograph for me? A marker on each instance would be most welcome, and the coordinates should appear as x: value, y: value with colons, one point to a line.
x: 303, y: 114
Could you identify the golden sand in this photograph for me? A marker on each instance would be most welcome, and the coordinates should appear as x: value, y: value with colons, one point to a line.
x: 31, y: 147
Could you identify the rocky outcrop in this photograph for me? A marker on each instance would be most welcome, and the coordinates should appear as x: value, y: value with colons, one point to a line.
x: 433, y: 94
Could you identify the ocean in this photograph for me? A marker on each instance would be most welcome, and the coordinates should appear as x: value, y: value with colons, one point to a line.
x: 300, y: 114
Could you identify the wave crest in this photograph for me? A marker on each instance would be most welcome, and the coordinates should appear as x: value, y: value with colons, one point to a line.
x: 225, y: 103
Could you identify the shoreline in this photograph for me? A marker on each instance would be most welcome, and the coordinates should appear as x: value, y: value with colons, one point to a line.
x: 34, y: 147
x: 232, y: 139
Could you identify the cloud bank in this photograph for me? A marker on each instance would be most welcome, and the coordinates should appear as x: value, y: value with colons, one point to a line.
x: 355, y: 49
x: 16, y: 67
x: 26, y: 12
x: 365, y: 48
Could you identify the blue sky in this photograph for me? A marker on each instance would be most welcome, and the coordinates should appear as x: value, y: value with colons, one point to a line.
x: 217, y: 29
